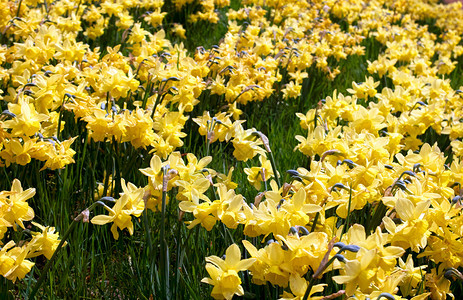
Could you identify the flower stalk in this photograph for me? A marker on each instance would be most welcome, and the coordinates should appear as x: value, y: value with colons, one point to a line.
x: 164, y: 249
x: 84, y: 217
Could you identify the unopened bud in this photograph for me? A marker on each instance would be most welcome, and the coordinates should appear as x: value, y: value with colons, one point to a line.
x: 8, y: 113
x: 452, y: 274
x: 340, y: 257
x: 292, y: 172
x: 386, y: 295
x: 456, y: 199
x: 264, y: 140
x: 303, y: 230
x: 335, y: 152
x: 351, y: 248
x: 410, y: 173
x: 350, y: 163
x: 108, y: 198
x: 339, y: 245
x: 339, y: 186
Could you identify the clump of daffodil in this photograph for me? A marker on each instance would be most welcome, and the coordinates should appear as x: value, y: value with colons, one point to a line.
x: 14, y: 207
x: 138, y: 96
x: 14, y: 263
x: 224, y: 273
x: 14, y: 211
x: 367, y: 268
x: 257, y: 175
x: 129, y: 204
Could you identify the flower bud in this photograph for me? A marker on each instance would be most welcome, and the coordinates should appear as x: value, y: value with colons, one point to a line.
x: 456, y: 199
x: 339, y: 186
x: 452, y: 274
x: 293, y: 230
x: 340, y: 257
x: 351, y: 248
x: 339, y: 245
x: 8, y: 113
x: 386, y: 295
x: 350, y: 163
x: 108, y: 198
x: 292, y: 172
x: 303, y: 230
x: 410, y: 173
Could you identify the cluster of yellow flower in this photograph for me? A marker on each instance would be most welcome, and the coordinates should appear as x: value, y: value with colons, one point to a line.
x: 14, y: 210
x: 410, y: 197
x: 141, y: 91
x: 163, y: 176
x: 52, y: 71
x: 357, y: 145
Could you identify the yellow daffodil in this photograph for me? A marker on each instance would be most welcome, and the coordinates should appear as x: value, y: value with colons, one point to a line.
x: 224, y: 273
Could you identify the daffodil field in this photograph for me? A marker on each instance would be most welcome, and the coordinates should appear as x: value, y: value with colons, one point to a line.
x: 243, y: 149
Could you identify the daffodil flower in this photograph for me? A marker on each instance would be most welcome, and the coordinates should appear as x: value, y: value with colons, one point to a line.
x: 224, y: 273
x: 120, y: 215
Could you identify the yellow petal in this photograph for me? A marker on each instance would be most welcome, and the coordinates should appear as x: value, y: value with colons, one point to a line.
x: 187, y: 206
x: 250, y: 248
x: 217, y: 261
x: 101, y: 219
x: 245, y: 264
x: 297, y: 284
x: 404, y: 209
x: 299, y: 198
x: 233, y: 255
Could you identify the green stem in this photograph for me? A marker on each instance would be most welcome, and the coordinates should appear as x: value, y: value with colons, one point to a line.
x: 108, y: 173
x: 274, y: 168
x: 266, y: 143
x: 315, y: 220
x: 154, y: 107
x: 19, y: 8
x: 147, y: 229
x: 164, y: 248
x: 61, y: 244
x: 309, y: 288
x: 180, y: 255
x: 344, y: 229
x: 107, y: 103
x: 208, y: 143
x: 46, y: 7
x: 380, y: 211
x: 81, y: 161
x: 146, y: 94
x: 60, y: 117
x: 92, y: 170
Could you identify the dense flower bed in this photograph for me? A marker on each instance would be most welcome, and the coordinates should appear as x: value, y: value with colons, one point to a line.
x: 376, y: 213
